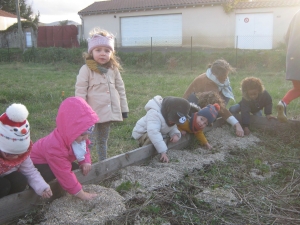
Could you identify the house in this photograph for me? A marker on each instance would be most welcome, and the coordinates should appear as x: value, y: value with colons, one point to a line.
x: 7, y: 19
x: 11, y: 38
x: 256, y: 24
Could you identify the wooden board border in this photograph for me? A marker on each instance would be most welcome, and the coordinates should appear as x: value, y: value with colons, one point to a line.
x: 18, y: 204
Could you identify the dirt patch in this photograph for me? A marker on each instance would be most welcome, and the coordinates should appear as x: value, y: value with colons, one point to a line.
x: 69, y: 210
x: 145, y: 181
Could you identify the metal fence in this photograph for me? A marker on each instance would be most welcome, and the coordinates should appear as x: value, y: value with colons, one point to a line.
x: 190, y: 46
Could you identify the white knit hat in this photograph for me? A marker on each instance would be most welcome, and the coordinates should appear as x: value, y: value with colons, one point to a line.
x: 14, y: 130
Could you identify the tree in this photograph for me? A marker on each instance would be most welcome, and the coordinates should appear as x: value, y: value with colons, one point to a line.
x: 63, y: 22
x: 25, y: 10
x: 230, y: 5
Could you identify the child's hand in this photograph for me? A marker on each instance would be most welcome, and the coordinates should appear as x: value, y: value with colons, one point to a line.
x: 164, y: 157
x: 85, y: 195
x: 208, y: 146
x: 239, y: 130
x: 270, y: 117
x: 47, y: 193
x: 246, y: 131
x: 85, y: 168
x: 183, y: 132
x: 174, y: 139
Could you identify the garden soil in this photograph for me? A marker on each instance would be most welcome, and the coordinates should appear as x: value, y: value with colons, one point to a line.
x: 109, y: 203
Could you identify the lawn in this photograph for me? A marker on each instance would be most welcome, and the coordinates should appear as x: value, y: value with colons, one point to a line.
x: 40, y: 88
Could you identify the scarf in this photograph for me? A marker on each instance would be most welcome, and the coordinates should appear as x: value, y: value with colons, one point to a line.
x: 79, y: 150
x: 224, y: 88
x: 94, y: 66
x: 194, y: 127
x: 6, y: 165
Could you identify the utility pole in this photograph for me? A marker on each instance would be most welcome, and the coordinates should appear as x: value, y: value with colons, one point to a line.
x: 20, y: 32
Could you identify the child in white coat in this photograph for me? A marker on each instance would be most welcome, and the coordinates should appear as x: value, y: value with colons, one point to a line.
x: 160, y: 121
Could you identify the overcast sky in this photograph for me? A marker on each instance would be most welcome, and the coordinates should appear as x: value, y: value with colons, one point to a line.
x: 58, y: 10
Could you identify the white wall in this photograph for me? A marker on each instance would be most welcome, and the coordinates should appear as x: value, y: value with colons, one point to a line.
x: 209, y: 26
x: 6, y: 22
x: 282, y: 17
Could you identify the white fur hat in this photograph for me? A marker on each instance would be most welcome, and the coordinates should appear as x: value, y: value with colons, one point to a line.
x: 14, y: 130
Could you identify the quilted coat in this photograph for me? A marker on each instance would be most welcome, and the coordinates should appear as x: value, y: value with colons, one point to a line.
x: 155, y: 125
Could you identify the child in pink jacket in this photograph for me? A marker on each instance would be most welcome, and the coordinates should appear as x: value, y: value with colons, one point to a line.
x: 54, y: 155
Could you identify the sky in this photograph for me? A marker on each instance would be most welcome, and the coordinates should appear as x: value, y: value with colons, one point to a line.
x: 58, y: 10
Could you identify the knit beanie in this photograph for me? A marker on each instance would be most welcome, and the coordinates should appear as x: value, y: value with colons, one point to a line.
x: 210, y: 112
x: 175, y: 109
x: 100, y: 41
x: 14, y: 130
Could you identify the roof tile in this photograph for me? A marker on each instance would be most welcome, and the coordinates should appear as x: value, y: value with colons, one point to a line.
x: 132, y: 5
x: 127, y: 5
x: 267, y: 3
x: 7, y: 14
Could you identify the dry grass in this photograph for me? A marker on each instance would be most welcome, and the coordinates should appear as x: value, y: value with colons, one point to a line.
x: 256, y: 182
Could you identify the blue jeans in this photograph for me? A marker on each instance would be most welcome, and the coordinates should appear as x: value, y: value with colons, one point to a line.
x: 236, y: 109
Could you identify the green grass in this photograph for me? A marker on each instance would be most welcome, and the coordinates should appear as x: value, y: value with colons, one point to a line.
x: 272, y: 201
x: 39, y: 87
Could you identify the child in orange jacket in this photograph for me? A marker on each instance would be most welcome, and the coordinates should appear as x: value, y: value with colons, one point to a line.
x: 198, y: 121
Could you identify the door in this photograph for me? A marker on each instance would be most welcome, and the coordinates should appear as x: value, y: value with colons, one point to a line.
x: 254, y: 31
x: 161, y: 30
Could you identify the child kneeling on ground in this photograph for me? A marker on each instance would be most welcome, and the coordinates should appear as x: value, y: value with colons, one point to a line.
x: 16, y: 167
x: 160, y: 121
x: 198, y: 121
x: 54, y: 155
x: 255, y: 98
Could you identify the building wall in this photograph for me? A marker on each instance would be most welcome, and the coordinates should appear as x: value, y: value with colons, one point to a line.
x: 207, y: 26
x: 6, y: 22
x: 11, y: 39
x: 282, y: 17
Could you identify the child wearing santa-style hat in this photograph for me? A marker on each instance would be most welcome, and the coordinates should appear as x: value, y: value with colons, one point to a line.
x: 198, y: 121
x: 16, y: 167
x: 55, y: 154
x: 160, y: 121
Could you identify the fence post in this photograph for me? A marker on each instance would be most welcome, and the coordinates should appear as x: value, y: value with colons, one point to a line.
x: 236, y: 49
x: 151, y: 52
x: 8, y: 51
x: 191, y: 52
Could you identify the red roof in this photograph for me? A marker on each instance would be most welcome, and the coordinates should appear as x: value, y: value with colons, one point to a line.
x: 127, y: 5
x: 112, y: 6
x: 267, y: 3
x: 7, y: 14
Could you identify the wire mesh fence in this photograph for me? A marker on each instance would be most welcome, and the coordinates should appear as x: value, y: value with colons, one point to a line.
x: 190, y: 50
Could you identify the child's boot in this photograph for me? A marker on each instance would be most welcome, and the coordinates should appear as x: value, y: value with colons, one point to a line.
x: 281, y: 112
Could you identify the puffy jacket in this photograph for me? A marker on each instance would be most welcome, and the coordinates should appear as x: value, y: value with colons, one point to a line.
x: 74, y: 117
x: 155, y: 125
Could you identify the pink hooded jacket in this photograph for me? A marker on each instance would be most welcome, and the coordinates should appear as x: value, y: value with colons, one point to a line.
x: 74, y: 117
